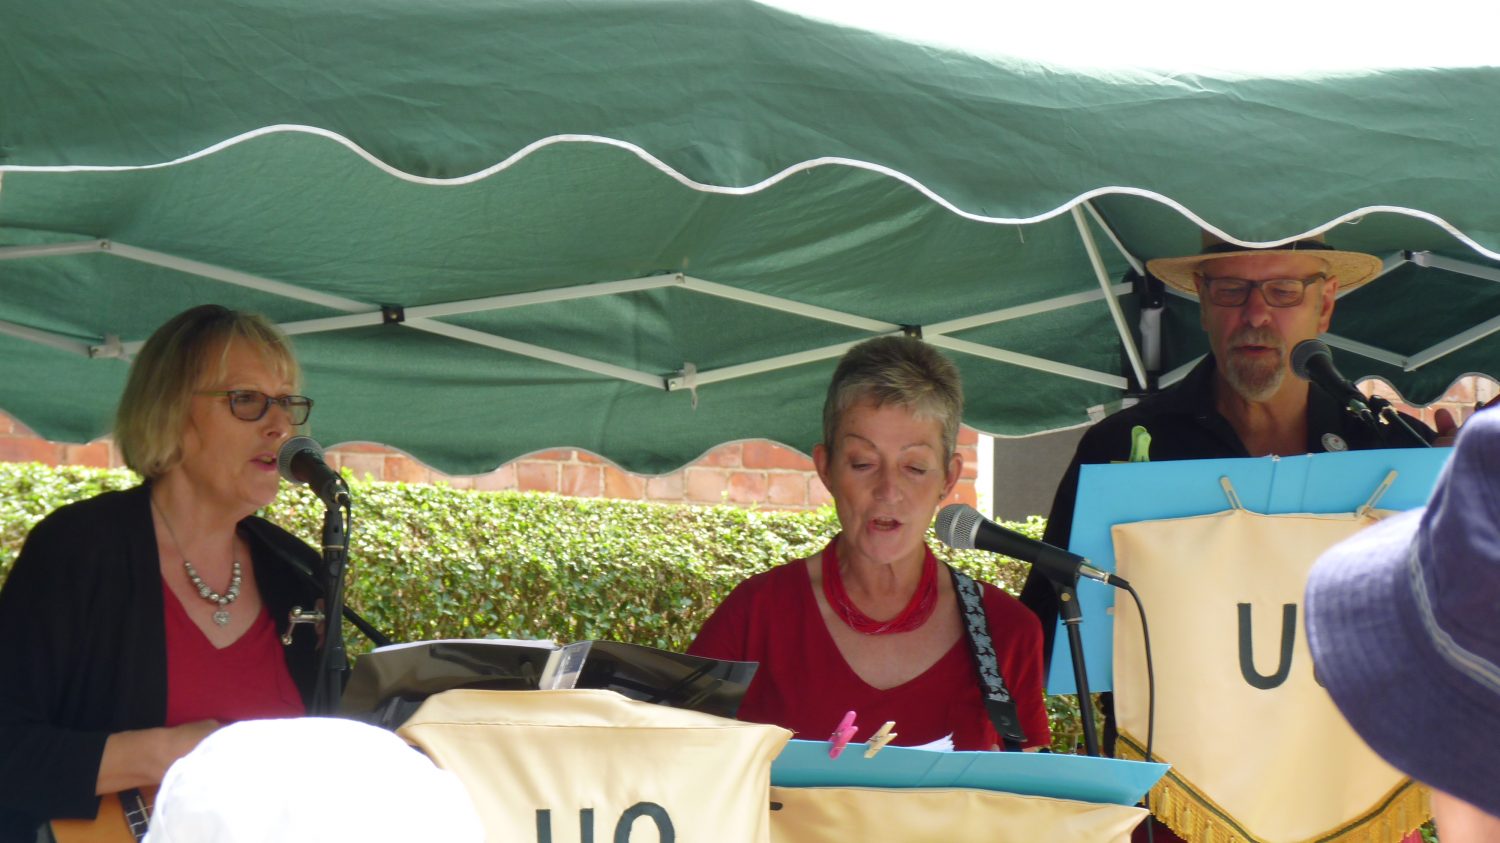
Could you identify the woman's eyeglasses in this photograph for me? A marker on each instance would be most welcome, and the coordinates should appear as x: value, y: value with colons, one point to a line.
x: 252, y: 405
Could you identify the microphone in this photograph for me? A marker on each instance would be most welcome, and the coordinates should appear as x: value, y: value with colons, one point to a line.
x: 961, y: 526
x: 1312, y: 361
x: 300, y: 460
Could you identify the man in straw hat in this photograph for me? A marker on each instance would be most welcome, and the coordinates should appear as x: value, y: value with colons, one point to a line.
x: 1401, y: 626
x: 1242, y: 399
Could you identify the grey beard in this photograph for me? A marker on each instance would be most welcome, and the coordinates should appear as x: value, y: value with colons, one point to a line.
x: 1254, y: 383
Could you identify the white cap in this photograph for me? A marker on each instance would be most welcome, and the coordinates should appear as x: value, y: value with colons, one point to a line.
x: 309, y: 778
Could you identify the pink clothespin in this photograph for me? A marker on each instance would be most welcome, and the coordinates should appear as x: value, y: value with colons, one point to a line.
x: 842, y: 735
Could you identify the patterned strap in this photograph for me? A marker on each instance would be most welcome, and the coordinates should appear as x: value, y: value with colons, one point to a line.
x: 997, y: 699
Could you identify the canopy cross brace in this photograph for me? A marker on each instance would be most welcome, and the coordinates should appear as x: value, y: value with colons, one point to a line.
x: 358, y: 314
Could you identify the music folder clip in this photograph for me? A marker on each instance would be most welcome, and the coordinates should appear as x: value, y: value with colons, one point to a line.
x: 882, y: 736
x: 842, y: 735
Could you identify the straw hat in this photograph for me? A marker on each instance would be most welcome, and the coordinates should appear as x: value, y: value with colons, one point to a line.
x: 1401, y: 626
x: 1352, y: 269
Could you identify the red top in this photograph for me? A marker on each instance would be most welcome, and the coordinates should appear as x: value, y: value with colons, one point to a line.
x: 247, y: 680
x: 805, y: 685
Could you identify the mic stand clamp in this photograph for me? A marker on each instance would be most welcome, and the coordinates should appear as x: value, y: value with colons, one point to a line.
x: 1391, y: 420
x: 1072, y: 616
x: 298, y: 615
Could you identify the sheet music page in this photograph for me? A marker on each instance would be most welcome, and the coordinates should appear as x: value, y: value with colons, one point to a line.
x: 539, y: 643
x: 943, y: 744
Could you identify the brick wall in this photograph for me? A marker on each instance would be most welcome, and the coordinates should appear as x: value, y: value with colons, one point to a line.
x: 18, y: 444
x: 754, y: 472
x: 1460, y: 401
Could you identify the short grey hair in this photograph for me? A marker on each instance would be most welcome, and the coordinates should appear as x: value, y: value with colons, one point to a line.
x: 898, y: 370
x: 180, y: 358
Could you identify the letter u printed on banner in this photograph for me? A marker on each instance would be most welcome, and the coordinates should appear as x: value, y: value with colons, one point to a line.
x: 1247, y: 655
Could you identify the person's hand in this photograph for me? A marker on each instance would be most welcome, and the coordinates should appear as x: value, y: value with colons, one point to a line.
x: 180, y: 740
x: 141, y: 757
x: 1447, y: 426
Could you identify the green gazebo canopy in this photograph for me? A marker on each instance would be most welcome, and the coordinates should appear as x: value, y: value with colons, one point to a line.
x: 645, y: 228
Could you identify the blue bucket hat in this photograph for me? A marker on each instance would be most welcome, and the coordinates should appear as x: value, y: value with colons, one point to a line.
x: 1403, y: 620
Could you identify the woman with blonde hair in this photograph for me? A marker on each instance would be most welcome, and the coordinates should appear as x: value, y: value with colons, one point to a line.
x: 134, y: 623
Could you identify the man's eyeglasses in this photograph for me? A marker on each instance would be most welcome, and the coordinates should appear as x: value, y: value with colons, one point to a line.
x: 252, y: 405
x: 1278, y: 292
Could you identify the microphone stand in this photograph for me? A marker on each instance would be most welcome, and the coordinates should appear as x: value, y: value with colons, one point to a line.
x: 1072, y: 615
x: 333, y: 663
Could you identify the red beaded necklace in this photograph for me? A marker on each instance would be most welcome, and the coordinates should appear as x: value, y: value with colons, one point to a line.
x: 916, y: 613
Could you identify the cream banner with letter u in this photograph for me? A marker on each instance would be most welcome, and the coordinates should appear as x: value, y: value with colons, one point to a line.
x: 1259, y: 752
x: 586, y: 766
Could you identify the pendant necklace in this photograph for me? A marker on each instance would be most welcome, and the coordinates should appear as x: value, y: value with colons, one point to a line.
x: 231, y: 594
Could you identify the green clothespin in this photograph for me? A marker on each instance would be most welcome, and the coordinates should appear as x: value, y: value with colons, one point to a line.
x: 1140, y: 444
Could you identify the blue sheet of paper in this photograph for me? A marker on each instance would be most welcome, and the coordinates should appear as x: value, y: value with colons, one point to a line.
x: 1123, y: 493
x: 1078, y: 777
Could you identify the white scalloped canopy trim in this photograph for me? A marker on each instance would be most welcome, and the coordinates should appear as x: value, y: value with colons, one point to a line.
x: 771, y: 181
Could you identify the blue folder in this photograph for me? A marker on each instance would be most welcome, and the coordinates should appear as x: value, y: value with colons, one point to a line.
x: 1077, y: 777
x: 1123, y: 493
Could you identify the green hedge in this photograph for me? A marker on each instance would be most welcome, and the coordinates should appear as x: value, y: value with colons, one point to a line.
x: 437, y: 562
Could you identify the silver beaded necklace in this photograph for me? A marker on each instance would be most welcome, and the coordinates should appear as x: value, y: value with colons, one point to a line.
x: 221, y: 617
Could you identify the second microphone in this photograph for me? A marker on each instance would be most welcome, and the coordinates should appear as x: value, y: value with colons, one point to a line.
x: 961, y: 526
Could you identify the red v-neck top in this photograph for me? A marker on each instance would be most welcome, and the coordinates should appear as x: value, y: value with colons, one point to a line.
x: 248, y: 680
x: 804, y: 683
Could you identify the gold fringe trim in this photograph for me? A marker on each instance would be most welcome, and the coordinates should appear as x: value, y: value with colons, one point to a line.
x: 1198, y: 819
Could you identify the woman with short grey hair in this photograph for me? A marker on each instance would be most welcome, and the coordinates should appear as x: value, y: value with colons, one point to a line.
x: 874, y: 624
x: 901, y: 371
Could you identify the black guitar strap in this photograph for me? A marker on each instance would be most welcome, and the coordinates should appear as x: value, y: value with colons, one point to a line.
x: 998, y: 702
